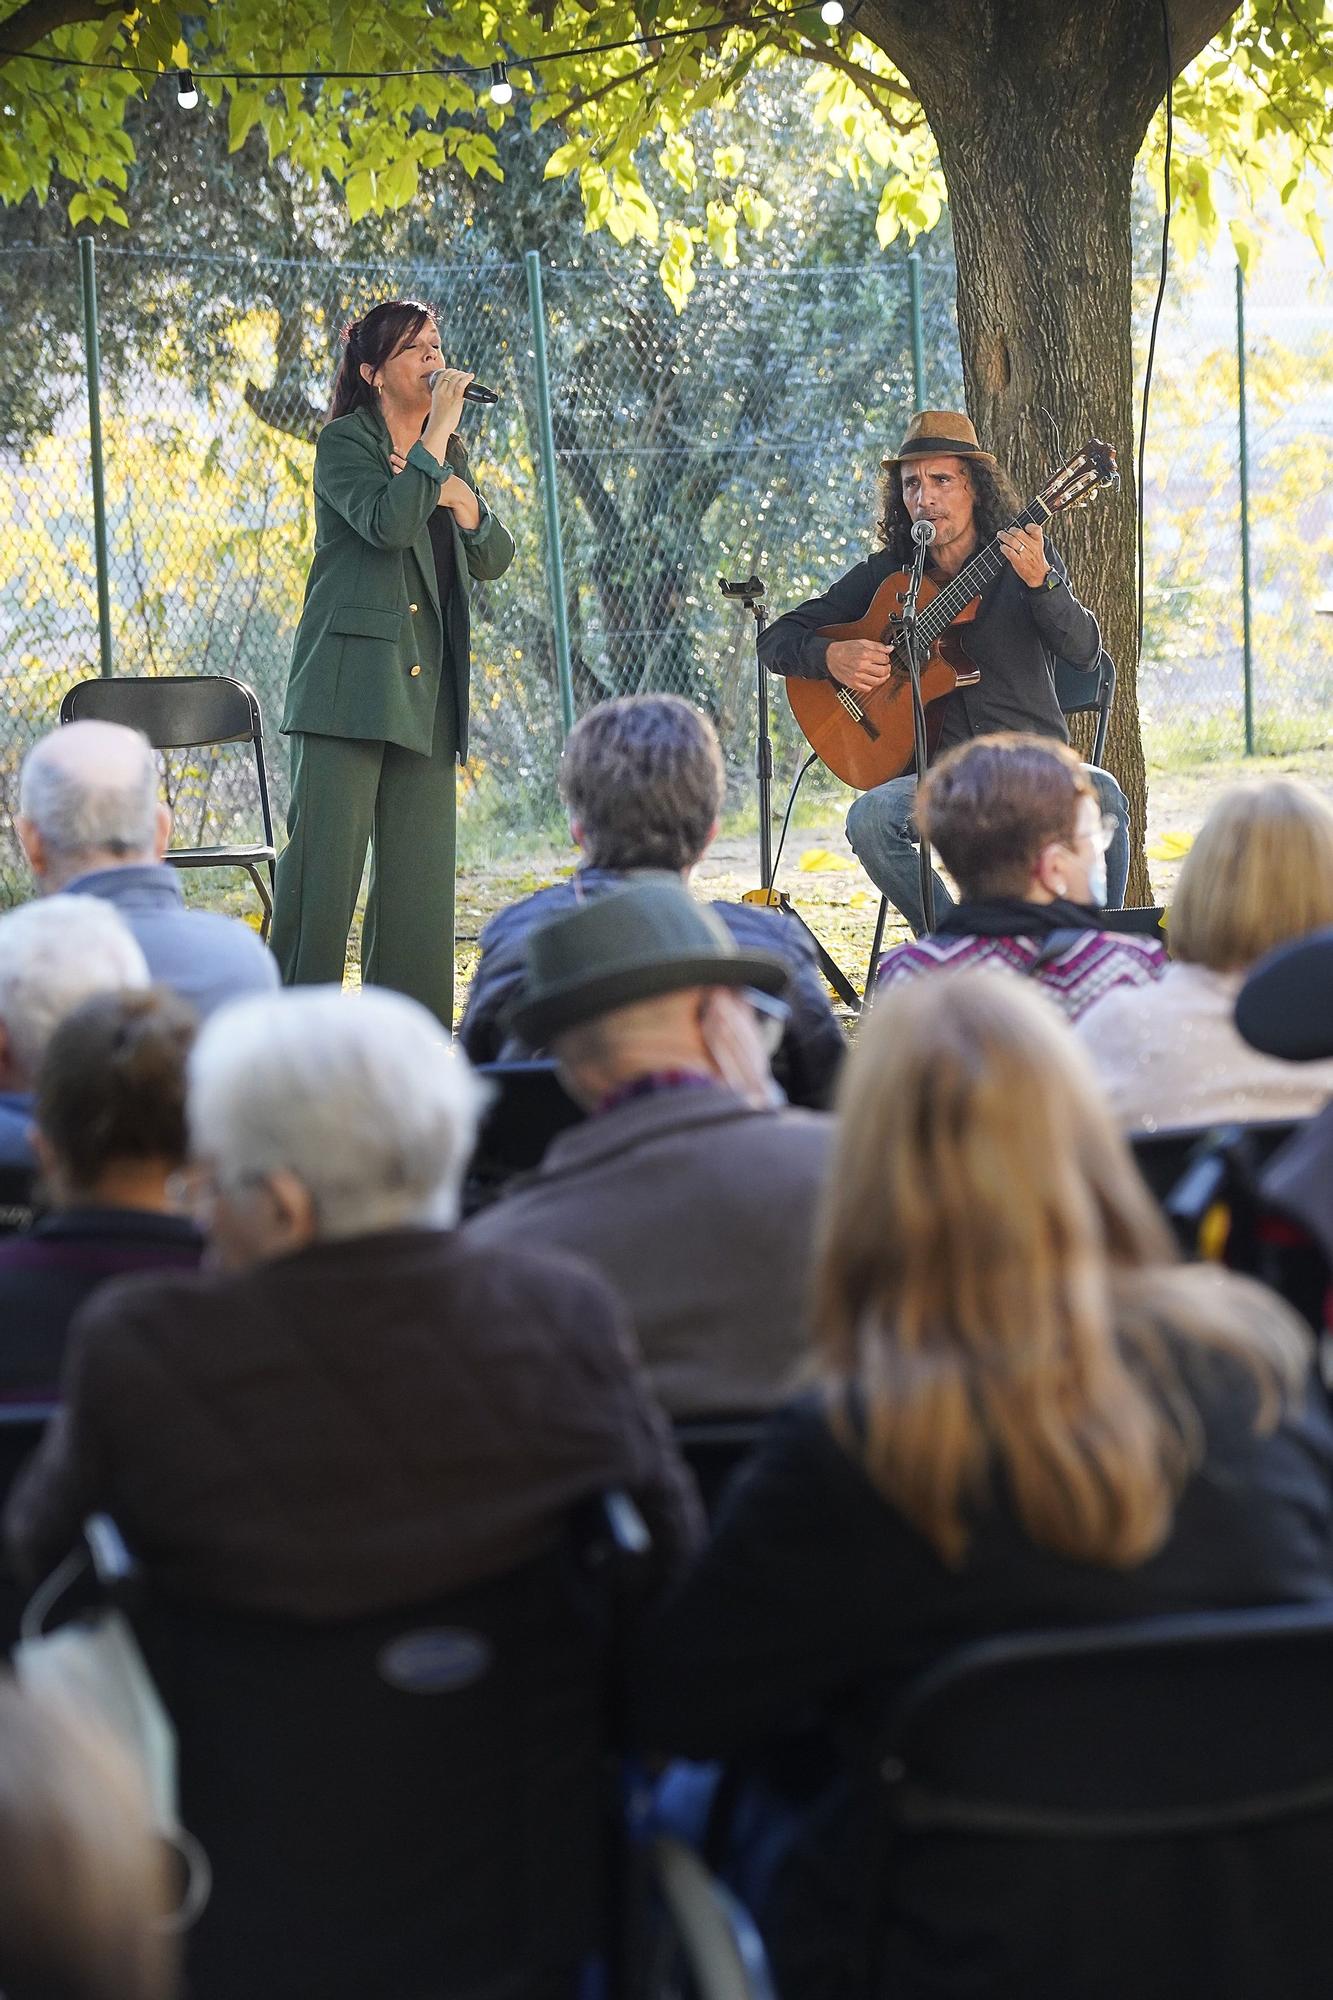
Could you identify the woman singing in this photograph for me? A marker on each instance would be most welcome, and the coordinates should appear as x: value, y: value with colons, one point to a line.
x: 377, y: 698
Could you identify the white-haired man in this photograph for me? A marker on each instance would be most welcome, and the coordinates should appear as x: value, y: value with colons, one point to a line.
x: 53, y: 956
x: 356, y: 1408
x: 92, y: 824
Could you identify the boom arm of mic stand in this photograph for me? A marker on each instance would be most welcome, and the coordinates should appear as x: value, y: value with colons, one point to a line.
x: 919, y: 723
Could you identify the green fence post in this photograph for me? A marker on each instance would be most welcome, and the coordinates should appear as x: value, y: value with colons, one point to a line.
x: 93, y: 360
x: 1248, y: 655
x: 914, y: 316
x: 546, y: 446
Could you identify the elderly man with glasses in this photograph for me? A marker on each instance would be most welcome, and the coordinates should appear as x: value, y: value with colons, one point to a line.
x: 1017, y: 823
x: 691, y: 1185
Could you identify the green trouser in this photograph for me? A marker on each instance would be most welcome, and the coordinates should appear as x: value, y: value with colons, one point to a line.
x: 347, y: 794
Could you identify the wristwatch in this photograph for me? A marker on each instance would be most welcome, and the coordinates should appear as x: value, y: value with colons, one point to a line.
x: 1048, y: 582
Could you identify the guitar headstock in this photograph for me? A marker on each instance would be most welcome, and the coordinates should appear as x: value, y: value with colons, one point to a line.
x: 1082, y: 478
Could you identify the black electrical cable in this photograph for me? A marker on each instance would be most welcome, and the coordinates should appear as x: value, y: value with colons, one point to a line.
x: 389, y: 75
x: 1157, y: 308
x: 813, y: 758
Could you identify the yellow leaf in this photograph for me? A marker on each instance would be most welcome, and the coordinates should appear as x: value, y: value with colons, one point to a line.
x: 1171, y: 847
x: 818, y: 861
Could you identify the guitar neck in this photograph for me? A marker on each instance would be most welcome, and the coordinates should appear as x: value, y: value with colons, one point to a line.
x: 976, y: 573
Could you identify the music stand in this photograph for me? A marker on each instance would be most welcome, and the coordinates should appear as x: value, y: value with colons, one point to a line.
x: 750, y: 592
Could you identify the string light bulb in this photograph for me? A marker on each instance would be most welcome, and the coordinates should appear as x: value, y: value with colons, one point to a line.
x: 831, y: 13
x: 502, y: 90
x: 187, y: 94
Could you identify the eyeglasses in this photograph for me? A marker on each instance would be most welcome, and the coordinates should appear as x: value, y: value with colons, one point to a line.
x: 771, y: 1017
x: 195, y: 1189
x: 1101, y: 835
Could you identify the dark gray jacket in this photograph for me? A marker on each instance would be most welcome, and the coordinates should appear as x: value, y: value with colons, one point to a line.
x: 1016, y: 635
x: 700, y: 1211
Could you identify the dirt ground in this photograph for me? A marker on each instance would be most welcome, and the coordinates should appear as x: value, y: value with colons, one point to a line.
x: 824, y: 879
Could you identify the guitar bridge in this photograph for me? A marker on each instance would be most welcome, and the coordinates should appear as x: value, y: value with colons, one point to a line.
x: 857, y: 713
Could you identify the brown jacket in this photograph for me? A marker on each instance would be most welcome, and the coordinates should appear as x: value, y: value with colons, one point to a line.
x: 362, y: 1425
x: 700, y: 1211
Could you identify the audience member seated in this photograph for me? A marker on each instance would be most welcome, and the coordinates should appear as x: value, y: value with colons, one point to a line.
x: 53, y: 955
x: 1285, y: 1010
x: 644, y: 784
x: 1017, y: 823
x: 1259, y: 873
x: 90, y: 823
x: 357, y: 1409
x: 1028, y: 1416
x: 688, y: 1186
x: 82, y: 1877
x: 109, y: 1130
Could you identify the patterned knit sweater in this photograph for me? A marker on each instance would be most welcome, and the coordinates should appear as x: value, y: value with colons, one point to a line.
x: 1086, y: 965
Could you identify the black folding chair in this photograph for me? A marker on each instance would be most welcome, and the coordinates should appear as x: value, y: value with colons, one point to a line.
x: 1143, y: 1809
x: 1088, y: 691
x: 21, y: 1427
x: 713, y: 1447
x: 17, y: 1198
x: 194, y: 712
x: 1079, y: 691
x: 529, y: 1107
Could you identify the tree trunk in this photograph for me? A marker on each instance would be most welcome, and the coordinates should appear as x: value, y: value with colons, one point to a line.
x: 1038, y: 108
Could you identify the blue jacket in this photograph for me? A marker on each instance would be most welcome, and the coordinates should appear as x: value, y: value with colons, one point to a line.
x: 203, y: 956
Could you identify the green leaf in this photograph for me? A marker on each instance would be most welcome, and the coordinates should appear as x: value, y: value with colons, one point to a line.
x: 359, y: 195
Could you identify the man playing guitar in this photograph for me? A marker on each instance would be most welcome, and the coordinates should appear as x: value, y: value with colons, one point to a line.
x: 1024, y: 615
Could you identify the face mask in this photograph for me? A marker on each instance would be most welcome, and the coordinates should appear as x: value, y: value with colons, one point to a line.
x: 1097, y: 882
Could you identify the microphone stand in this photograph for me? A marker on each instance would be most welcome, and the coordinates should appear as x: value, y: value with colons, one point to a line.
x: 750, y: 593
x: 921, y: 747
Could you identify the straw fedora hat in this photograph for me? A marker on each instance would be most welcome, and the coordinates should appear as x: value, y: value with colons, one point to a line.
x: 633, y: 944
x: 939, y: 434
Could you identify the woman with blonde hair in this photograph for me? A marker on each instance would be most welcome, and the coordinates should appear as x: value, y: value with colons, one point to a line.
x: 1259, y: 874
x: 1026, y: 1413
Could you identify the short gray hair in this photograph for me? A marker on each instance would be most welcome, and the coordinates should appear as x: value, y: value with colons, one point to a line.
x: 91, y: 787
x: 644, y: 778
x: 54, y: 955
x: 361, y: 1096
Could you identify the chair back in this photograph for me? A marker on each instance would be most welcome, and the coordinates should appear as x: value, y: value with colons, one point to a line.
x: 1145, y: 1809
x: 1087, y: 690
x: 408, y: 1804
x: 21, y: 1427
x: 529, y: 1107
x: 17, y: 1191
x: 174, y: 711
x: 713, y: 1447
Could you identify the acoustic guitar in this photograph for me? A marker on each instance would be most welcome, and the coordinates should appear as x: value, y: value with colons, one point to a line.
x: 866, y: 739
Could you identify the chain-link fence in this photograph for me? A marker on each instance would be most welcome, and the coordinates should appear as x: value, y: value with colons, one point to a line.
x: 1239, y: 506
x: 743, y: 435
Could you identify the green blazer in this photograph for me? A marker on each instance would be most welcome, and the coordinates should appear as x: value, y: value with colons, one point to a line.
x: 371, y: 646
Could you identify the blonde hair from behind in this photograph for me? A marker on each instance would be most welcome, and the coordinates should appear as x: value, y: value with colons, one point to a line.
x: 1260, y: 872
x: 83, y: 1878
x: 994, y: 1278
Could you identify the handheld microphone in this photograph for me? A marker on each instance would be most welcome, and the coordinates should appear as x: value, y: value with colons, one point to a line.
x: 923, y: 533
x: 475, y: 392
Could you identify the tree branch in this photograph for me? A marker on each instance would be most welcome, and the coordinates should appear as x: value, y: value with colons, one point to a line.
x: 866, y: 81
x: 36, y: 19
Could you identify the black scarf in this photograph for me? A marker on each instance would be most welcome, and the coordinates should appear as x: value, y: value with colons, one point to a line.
x: 1011, y: 916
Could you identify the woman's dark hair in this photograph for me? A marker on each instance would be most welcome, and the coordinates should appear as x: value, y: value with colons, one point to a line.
x: 997, y: 502
x: 112, y: 1083
x: 374, y: 339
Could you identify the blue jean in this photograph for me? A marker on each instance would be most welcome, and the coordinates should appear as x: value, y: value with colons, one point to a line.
x: 883, y: 838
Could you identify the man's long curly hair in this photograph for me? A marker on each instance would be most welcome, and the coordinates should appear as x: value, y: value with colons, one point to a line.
x: 997, y: 502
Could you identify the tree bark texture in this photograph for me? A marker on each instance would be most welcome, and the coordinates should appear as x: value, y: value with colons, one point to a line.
x: 1038, y: 108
